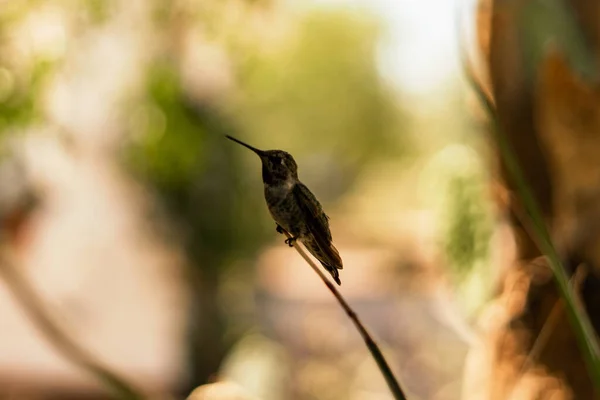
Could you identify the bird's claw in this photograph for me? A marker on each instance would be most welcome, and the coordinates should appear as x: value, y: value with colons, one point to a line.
x: 290, y: 241
x: 279, y: 229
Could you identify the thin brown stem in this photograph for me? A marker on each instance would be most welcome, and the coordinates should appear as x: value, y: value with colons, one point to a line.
x: 385, y: 369
x: 33, y: 305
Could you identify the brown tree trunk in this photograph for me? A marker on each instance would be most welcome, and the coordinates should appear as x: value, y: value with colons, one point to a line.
x: 551, y: 116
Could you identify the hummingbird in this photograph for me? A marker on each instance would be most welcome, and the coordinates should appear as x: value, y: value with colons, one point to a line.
x: 295, y: 209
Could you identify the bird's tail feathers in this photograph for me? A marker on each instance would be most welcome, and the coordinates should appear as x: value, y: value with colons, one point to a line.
x: 334, y: 273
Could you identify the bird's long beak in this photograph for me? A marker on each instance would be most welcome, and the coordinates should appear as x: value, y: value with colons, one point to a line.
x: 254, y: 149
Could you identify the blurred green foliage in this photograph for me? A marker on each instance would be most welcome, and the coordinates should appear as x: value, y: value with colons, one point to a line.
x: 456, y: 183
x: 469, y: 226
x: 22, y: 78
x: 181, y: 157
x: 98, y: 11
x: 172, y: 143
x: 20, y: 95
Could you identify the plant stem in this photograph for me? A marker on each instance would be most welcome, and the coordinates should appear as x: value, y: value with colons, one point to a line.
x: 385, y: 369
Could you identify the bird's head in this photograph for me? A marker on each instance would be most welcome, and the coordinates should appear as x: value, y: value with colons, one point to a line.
x: 278, y: 166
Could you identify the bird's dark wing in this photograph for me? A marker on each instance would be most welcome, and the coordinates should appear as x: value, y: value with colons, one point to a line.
x: 318, y: 226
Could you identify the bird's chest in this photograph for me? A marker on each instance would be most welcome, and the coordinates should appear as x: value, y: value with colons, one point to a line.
x: 282, y: 205
x: 278, y: 196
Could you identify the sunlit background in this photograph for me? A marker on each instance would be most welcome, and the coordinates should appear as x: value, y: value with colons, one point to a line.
x: 144, y: 235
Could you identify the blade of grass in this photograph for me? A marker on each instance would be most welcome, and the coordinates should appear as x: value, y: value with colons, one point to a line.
x: 385, y: 369
x: 578, y: 318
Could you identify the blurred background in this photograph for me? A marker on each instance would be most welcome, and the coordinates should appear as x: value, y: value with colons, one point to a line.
x: 133, y: 229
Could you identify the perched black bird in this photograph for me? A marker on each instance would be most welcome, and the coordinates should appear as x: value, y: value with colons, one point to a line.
x: 295, y: 209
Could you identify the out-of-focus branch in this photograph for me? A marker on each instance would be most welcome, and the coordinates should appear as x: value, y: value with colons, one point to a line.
x: 385, y: 369
x: 34, y: 307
